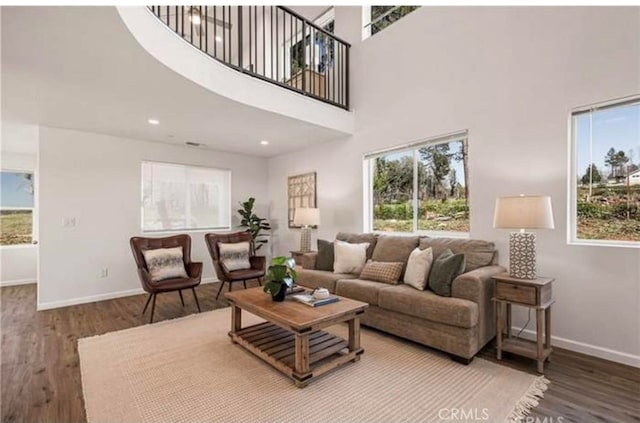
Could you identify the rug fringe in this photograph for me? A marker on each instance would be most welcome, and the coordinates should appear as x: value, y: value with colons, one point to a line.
x: 529, y: 400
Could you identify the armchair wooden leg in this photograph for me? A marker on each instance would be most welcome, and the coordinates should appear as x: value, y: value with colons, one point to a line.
x: 196, y: 298
x: 259, y: 281
x: 219, y: 289
x: 230, y: 286
x: 147, y: 303
x: 153, y: 308
x: 181, y: 299
x: 245, y: 284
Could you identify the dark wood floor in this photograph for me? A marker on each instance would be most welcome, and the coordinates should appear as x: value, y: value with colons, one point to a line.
x: 41, y: 376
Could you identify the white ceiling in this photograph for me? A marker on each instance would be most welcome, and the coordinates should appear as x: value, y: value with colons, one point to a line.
x: 80, y: 68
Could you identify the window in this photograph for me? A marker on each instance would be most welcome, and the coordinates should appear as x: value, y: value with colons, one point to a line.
x: 605, y: 186
x: 177, y: 197
x: 16, y: 207
x: 431, y: 174
x: 377, y: 18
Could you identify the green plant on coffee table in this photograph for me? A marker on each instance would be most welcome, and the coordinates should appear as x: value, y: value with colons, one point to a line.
x: 281, y: 272
x: 253, y: 224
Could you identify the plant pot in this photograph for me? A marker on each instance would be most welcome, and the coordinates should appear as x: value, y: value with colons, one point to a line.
x: 281, y: 295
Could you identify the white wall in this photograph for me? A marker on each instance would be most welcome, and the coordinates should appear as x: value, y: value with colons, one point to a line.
x: 96, y: 180
x: 510, y: 76
x: 19, y: 263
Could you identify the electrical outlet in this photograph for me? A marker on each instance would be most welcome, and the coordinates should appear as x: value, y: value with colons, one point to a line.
x: 104, y: 272
x: 69, y: 222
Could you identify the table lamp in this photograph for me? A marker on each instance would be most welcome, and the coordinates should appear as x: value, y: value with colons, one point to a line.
x: 523, y: 212
x: 306, y: 217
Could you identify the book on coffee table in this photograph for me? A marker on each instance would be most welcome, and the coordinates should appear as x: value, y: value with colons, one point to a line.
x: 308, y: 299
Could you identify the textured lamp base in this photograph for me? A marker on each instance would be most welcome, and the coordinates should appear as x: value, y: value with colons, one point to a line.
x: 305, y: 240
x: 522, y: 255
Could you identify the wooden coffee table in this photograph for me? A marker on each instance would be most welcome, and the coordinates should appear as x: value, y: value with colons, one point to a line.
x: 291, y: 340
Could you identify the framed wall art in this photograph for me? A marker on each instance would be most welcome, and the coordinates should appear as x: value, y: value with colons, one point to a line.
x: 301, y: 193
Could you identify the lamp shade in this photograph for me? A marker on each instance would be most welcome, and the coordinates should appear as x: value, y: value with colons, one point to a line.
x: 523, y: 212
x: 306, y: 216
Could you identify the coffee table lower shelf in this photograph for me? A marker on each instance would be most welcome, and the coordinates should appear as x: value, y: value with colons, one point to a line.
x: 292, y: 353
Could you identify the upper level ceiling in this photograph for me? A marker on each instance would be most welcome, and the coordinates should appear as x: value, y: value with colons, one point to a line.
x: 81, y: 68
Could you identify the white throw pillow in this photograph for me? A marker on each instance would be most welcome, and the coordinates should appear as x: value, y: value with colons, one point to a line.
x: 418, y: 267
x: 349, y: 258
x: 165, y: 263
x: 234, y: 256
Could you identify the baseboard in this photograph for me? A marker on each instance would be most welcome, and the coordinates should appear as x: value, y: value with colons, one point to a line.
x: 17, y: 282
x: 588, y: 349
x: 100, y: 297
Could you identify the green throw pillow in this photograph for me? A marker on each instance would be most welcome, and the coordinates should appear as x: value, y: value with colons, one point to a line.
x: 325, y: 257
x: 444, y: 270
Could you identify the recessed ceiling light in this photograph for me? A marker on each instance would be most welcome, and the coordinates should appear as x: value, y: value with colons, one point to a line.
x: 153, y: 121
x: 264, y: 142
x: 218, y: 38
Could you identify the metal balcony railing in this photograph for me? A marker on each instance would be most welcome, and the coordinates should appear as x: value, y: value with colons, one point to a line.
x: 272, y: 43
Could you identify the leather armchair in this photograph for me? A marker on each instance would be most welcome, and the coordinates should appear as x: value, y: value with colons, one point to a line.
x: 194, y: 269
x: 258, y: 263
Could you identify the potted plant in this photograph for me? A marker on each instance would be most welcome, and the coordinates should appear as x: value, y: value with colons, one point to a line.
x: 253, y: 224
x: 280, y: 275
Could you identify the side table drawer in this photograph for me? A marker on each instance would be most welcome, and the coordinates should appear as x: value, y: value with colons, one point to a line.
x: 516, y: 293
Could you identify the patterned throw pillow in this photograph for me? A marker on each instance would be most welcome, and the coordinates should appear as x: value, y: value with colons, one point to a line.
x: 382, y: 271
x: 234, y: 256
x: 165, y: 263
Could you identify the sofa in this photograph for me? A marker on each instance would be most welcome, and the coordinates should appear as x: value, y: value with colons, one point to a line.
x: 459, y: 325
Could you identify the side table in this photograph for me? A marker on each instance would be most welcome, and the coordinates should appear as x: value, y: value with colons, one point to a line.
x: 534, y: 294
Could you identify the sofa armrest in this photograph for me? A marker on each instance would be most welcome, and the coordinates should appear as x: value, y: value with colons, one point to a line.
x: 309, y: 260
x: 476, y: 285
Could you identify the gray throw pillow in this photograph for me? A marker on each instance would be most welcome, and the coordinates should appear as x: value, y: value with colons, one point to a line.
x: 444, y: 270
x: 326, y: 256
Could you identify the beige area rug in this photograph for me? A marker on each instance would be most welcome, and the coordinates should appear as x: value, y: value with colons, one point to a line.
x: 187, y: 370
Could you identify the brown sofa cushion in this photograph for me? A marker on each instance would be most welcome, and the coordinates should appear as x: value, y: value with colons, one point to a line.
x: 477, y: 253
x: 320, y: 278
x: 429, y: 306
x: 361, y: 290
x: 359, y: 239
x: 395, y: 248
x: 380, y: 271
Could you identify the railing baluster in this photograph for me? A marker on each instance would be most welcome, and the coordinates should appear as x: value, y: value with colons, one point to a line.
x: 299, y: 44
x: 277, y: 49
x: 240, y: 50
x: 304, y: 58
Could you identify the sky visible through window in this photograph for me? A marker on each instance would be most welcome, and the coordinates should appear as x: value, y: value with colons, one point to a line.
x: 16, y: 190
x: 617, y: 128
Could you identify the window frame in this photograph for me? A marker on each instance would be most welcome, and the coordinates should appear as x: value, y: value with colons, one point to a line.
x: 228, y: 227
x: 572, y: 167
x: 34, y: 229
x: 367, y: 175
x: 367, y: 23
